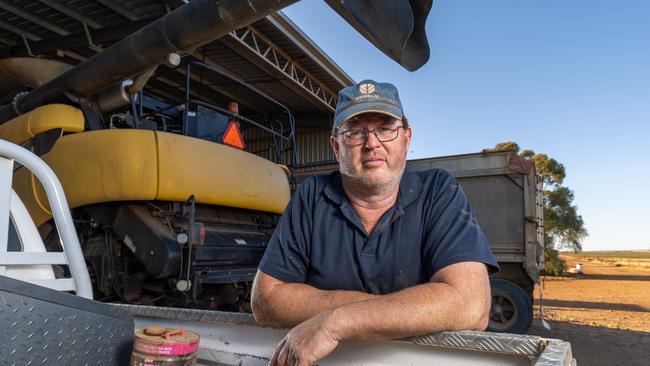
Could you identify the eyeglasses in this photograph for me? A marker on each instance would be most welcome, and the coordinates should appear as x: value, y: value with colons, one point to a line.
x: 360, y: 135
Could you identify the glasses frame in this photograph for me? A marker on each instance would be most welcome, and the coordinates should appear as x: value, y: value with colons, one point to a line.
x: 366, y: 134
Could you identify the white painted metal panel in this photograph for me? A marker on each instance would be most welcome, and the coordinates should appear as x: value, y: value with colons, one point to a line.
x: 61, y: 284
x: 27, y: 258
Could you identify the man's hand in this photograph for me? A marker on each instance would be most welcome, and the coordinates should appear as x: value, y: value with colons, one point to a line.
x: 307, y: 343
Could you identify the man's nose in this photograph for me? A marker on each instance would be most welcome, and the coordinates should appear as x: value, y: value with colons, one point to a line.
x: 372, y: 141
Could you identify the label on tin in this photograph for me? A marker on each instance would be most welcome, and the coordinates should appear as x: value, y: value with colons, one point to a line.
x: 167, y: 349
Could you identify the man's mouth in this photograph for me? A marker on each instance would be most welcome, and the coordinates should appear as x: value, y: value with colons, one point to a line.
x: 373, y: 162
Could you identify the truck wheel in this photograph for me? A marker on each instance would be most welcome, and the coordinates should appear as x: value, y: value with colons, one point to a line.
x: 512, y: 311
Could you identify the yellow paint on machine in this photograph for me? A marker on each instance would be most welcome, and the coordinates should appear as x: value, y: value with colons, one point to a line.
x: 42, y: 119
x: 139, y: 165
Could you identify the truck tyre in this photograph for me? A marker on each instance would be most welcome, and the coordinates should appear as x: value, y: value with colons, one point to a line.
x: 512, y: 311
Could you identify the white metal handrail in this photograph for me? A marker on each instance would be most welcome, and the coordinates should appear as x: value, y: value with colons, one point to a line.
x: 9, y: 153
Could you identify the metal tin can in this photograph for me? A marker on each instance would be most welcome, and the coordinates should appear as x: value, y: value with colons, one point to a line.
x: 158, y: 346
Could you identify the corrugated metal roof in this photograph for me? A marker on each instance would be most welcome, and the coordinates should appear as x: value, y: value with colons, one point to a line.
x: 272, y: 54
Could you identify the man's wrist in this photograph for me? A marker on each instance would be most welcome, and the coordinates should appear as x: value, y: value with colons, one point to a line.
x: 337, y: 323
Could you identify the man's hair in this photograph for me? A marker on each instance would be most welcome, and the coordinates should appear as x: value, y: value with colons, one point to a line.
x: 405, y: 124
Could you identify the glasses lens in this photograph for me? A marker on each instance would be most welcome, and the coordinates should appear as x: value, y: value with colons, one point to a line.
x: 359, y: 136
x: 386, y: 133
x: 355, y: 136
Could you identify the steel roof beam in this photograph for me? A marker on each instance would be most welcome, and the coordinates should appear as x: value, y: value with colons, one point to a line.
x: 19, y: 32
x: 71, y: 13
x: 210, y: 62
x: 40, y: 22
x: 246, y: 83
x: 308, y: 47
x: 265, y: 54
x: 8, y: 42
x: 104, y: 35
x: 128, y: 14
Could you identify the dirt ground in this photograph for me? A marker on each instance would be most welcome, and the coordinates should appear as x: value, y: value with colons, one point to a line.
x: 605, y: 313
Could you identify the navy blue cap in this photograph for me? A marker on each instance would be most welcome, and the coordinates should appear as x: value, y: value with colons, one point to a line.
x: 367, y: 96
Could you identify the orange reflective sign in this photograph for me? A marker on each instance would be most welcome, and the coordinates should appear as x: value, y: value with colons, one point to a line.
x: 232, y: 136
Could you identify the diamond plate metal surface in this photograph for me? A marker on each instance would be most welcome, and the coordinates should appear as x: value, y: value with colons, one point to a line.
x: 524, y: 345
x: 556, y: 353
x: 189, y: 314
x: 38, y: 332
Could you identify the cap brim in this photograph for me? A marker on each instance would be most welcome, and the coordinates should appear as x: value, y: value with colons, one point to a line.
x: 368, y: 107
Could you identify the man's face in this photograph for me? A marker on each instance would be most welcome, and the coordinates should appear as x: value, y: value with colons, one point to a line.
x: 373, y: 164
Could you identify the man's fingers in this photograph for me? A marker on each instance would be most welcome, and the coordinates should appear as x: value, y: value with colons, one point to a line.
x: 283, y: 353
x: 274, y: 358
x: 276, y: 354
x: 293, y: 359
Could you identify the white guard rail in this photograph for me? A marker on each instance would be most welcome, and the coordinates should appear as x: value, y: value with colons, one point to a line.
x: 73, y: 256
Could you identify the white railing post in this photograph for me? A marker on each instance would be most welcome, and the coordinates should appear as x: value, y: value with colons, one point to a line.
x: 6, y: 176
x: 58, y: 205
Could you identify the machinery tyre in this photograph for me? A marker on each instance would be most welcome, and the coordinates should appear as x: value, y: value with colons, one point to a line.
x: 512, y: 310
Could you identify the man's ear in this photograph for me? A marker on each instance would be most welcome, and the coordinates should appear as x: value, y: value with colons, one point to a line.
x: 335, y: 146
x: 408, y: 132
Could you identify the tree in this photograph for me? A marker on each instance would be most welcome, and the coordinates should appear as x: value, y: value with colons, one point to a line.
x: 561, y: 219
x: 563, y: 226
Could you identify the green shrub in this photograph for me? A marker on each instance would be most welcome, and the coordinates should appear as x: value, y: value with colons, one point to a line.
x: 553, y: 265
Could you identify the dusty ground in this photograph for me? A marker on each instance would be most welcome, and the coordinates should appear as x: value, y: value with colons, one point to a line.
x: 605, y: 313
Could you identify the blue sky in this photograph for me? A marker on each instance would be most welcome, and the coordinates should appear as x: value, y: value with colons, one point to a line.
x: 567, y: 78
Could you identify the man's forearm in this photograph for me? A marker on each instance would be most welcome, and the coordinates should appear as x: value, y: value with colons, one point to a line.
x: 422, y: 309
x: 414, y: 311
x: 293, y: 303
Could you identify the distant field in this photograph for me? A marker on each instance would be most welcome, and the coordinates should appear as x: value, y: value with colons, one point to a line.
x: 636, y: 259
x: 612, y: 254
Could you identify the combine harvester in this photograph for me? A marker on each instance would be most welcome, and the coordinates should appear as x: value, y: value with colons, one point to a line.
x: 157, y: 226
x: 169, y: 207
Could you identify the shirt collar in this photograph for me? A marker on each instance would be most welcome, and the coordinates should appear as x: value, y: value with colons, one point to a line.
x: 334, y: 188
x: 410, y: 188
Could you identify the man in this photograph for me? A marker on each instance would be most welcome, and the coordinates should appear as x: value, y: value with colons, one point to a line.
x: 372, y: 252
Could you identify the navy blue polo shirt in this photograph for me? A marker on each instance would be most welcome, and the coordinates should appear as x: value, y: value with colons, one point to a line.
x: 320, y: 240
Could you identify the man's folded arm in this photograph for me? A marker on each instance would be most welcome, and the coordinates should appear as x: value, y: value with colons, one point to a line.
x: 458, y: 297
x: 279, y: 302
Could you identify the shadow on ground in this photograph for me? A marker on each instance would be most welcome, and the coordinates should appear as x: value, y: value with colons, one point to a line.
x: 599, y: 345
x: 595, y: 305
x: 609, y: 277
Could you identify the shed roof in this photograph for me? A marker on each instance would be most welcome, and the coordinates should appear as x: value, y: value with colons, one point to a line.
x: 272, y: 56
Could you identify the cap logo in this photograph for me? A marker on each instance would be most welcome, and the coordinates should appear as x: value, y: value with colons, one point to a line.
x: 366, y: 88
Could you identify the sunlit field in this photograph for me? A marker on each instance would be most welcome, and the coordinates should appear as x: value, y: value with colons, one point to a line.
x: 639, y: 259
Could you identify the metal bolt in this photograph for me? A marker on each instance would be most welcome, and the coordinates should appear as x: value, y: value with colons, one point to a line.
x: 182, y: 238
x: 183, y: 285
